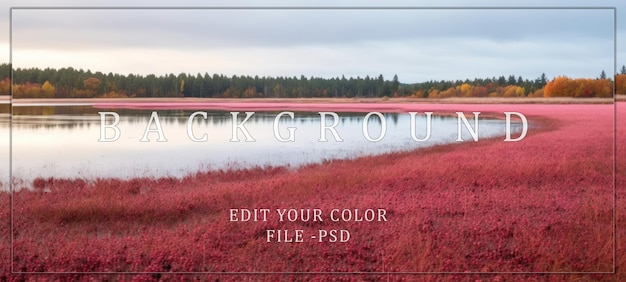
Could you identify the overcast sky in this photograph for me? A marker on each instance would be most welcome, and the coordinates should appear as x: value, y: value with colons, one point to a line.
x: 415, y: 44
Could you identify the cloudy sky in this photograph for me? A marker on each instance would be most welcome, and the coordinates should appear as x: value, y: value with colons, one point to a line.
x: 415, y: 44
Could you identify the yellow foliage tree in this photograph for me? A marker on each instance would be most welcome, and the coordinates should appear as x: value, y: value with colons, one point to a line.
x: 510, y: 91
x: 466, y: 90
x: 47, y: 90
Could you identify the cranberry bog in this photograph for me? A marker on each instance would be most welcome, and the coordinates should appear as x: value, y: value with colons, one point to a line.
x: 541, y: 208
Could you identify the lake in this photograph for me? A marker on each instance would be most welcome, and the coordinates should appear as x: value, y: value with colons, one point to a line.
x: 5, y: 109
x: 63, y: 140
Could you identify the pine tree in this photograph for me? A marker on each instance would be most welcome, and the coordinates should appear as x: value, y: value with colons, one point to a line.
x: 395, y: 84
x: 543, y: 79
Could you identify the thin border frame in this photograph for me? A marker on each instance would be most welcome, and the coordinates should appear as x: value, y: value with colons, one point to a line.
x: 608, y: 8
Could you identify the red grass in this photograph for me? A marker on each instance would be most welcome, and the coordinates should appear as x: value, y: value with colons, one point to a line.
x: 544, y: 204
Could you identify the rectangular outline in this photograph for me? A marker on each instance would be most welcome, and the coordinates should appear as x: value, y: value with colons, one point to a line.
x: 614, y: 9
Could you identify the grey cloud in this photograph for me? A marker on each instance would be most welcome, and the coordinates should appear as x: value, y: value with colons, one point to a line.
x: 234, y: 28
x: 466, y: 43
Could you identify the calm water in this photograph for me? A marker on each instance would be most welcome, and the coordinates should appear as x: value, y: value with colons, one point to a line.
x: 4, y: 145
x: 62, y: 141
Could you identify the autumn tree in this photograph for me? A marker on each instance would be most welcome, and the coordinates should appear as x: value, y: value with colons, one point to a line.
x: 230, y: 93
x: 480, y: 91
x: 27, y: 90
x: 581, y: 87
x: 70, y: 82
x: 558, y: 87
x: 249, y: 93
x: 537, y: 94
x: 5, y: 86
x: 465, y: 89
x: 620, y: 84
x: 513, y: 91
x: 92, y: 83
x: 47, y: 90
x: 277, y: 90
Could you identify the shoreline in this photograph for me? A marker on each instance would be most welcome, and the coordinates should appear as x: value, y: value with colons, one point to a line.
x: 490, y: 111
x: 454, y: 100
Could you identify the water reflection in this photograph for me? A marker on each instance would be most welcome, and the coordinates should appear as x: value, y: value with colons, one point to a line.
x: 5, y: 120
x: 62, y: 141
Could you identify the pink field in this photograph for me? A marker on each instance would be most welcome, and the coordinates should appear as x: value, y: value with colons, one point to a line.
x: 332, y: 106
x: 544, y: 204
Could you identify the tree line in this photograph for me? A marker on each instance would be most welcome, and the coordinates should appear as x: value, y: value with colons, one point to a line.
x: 78, y: 83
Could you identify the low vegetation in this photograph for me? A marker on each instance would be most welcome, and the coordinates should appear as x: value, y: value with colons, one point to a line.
x: 544, y: 204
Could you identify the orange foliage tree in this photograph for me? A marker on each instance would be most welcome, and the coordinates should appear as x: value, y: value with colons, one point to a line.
x: 620, y: 84
x: 5, y: 86
x: 250, y: 92
x: 580, y: 87
x: 479, y: 91
x: 27, y: 90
